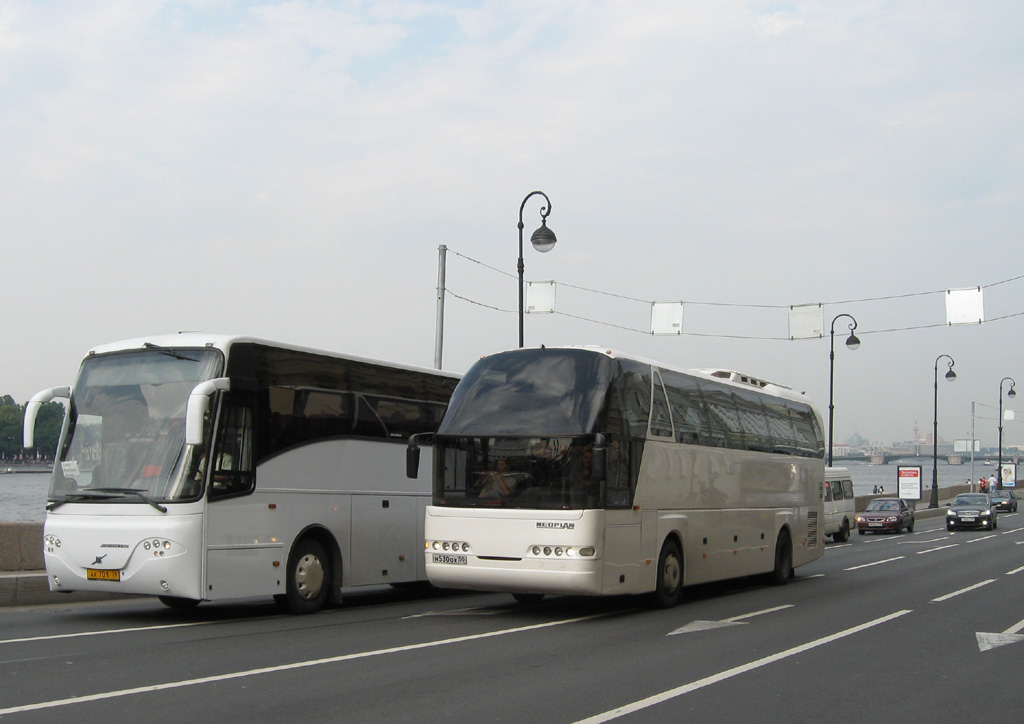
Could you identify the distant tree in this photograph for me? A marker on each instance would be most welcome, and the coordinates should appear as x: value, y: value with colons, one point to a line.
x: 10, y: 428
x: 48, y: 424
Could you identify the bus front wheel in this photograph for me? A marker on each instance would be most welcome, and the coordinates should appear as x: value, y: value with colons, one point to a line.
x: 670, y: 576
x: 309, y: 578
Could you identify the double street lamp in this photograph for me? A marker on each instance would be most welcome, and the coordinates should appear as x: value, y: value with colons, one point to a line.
x: 543, y: 239
x: 852, y: 343
x: 950, y: 376
x: 1011, y: 394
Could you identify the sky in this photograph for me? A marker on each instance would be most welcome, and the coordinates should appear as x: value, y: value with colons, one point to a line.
x: 289, y: 170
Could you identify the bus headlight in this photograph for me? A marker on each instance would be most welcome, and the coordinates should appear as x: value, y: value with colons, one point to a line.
x: 447, y: 545
x: 52, y: 543
x: 159, y: 547
x: 540, y: 551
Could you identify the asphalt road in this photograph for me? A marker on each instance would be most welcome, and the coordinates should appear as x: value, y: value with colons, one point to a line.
x: 918, y: 627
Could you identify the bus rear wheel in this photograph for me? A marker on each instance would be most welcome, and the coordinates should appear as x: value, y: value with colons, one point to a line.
x: 309, y: 578
x: 783, y: 570
x: 670, y: 576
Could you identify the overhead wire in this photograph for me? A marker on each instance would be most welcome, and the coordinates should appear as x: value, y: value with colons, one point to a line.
x: 889, y: 297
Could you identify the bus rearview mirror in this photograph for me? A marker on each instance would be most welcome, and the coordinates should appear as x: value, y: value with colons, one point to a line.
x: 198, y: 406
x: 412, y: 461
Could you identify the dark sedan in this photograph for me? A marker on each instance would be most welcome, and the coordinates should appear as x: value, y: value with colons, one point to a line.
x: 886, y: 514
x: 972, y: 510
x: 1005, y: 500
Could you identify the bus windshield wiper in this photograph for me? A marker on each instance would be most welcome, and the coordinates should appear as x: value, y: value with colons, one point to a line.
x: 106, y: 493
x: 136, y: 493
x: 90, y: 494
x: 169, y: 353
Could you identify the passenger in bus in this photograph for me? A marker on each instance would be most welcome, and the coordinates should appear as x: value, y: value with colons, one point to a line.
x: 224, y: 461
x: 497, y: 483
x: 587, y: 481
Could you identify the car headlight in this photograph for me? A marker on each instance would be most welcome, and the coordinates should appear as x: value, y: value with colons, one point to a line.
x: 951, y: 513
x: 986, y: 512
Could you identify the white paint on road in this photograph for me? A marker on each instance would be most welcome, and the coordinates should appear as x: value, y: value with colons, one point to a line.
x: 733, y: 672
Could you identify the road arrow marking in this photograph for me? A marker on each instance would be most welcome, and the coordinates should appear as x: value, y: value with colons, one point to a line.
x: 724, y: 623
x: 694, y: 626
x: 988, y: 641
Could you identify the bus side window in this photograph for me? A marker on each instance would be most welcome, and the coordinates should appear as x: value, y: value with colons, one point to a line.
x: 828, y: 492
x: 661, y: 417
x: 232, y: 472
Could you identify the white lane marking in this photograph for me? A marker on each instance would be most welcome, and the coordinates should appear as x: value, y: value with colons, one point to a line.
x: 458, y: 612
x: 962, y: 590
x: 940, y: 548
x: 876, y: 563
x: 975, y: 540
x: 106, y: 632
x: 730, y: 673
x: 55, y: 703
x: 1015, y: 570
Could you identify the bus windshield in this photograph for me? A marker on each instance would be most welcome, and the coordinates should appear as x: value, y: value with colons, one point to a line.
x: 125, y: 428
x: 521, y: 432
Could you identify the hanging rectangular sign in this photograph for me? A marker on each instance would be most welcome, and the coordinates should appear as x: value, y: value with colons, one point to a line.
x: 965, y: 306
x: 806, y: 321
x: 667, y: 318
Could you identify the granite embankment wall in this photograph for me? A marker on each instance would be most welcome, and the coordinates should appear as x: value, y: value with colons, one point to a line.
x: 21, y: 546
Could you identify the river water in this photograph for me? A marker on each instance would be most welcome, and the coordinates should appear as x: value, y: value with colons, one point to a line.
x: 23, y: 495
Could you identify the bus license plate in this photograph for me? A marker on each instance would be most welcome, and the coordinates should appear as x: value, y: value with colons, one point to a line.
x: 451, y: 560
x: 95, y: 574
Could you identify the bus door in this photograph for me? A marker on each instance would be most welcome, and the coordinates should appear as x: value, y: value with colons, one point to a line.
x: 243, y: 533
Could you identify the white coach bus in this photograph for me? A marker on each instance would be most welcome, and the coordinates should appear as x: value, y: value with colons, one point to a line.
x: 200, y: 467
x: 583, y: 471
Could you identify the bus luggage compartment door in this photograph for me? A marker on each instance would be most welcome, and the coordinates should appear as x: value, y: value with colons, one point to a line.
x: 387, y: 539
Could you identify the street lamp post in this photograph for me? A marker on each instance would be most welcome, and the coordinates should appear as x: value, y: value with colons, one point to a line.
x: 950, y: 376
x: 1009, y: 393
x: 543, y: 239
x: 852, y: 343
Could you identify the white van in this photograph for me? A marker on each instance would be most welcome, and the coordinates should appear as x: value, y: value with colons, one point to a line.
x: 840, y: 506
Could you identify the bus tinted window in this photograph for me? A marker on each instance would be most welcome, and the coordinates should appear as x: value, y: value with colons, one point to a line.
x: 534, y: 392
